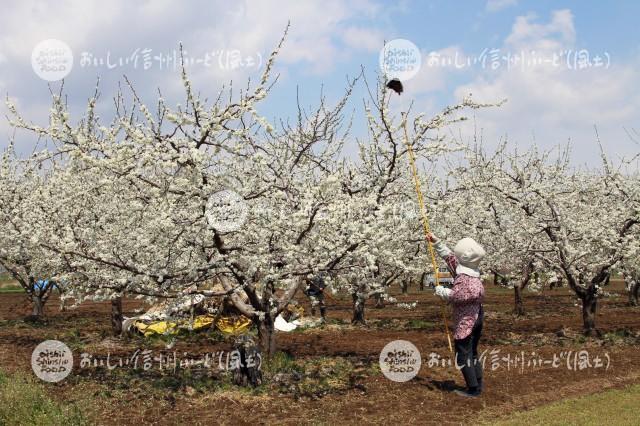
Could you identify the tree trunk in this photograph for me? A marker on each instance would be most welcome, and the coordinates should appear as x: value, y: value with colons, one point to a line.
x: 590, y: 302
x: 422, y: 278
x: 267, y: 336
x: 404, y: 286
x: 116, y: 316
x: 589, y: 307
x: 379, y: 301
x: 38, y: 306
x: 634, y: 289
x: 519, y: 286
x: 358, y: 309
x: 518, y: 305
x: 495, y: 278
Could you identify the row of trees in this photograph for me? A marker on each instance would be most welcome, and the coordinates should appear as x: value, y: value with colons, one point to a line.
x: 115, y: 209
x: 542, y: 213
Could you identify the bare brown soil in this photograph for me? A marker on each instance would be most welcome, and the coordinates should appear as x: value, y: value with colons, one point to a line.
x: 551, y: 327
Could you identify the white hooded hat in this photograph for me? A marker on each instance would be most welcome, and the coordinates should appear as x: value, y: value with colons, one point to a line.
x: 469, y: 253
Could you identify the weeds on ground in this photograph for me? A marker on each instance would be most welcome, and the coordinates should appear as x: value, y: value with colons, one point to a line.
x: 23, y: 401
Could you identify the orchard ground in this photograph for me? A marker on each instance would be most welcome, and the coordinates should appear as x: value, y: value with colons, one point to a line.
x: 331, y: 375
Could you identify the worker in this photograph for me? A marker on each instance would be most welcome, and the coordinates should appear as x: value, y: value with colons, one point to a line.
x: 315, y: 292
x: 466, y: 297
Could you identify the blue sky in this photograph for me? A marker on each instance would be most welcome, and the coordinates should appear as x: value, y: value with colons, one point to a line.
x: 332, y: 39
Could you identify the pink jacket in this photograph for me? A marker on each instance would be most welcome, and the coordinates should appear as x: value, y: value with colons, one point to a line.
x: 467, y: 294
x: 466, y: 298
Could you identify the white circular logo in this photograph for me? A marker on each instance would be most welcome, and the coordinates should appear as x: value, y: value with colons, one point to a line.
x: 400, y: 59
x: 400, y: 361
x: 226, y: 211
x: 52, y: 60
x: 52, y: 361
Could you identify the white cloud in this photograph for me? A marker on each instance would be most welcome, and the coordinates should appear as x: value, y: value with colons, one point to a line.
x: 497, y: 5
x: 74, y: 21
x: 363, y: 38
x: 554, y: 103
x: 322, y: 34
x: 438, y: 67
x: 558, y: 32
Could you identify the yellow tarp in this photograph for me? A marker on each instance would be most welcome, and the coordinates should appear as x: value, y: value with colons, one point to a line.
x: 160, y: 327
x: 298, y: 310
x: 233, y: 325
x: 230, y: 325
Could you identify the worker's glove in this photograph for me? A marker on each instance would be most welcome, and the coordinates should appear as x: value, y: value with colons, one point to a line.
x: 439, y: 246
x: 443, y: 292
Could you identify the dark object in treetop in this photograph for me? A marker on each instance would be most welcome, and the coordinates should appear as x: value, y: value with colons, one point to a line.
x: 395, y: 85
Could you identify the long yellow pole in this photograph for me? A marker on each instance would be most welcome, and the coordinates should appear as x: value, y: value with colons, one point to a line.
x: 425, y: 221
